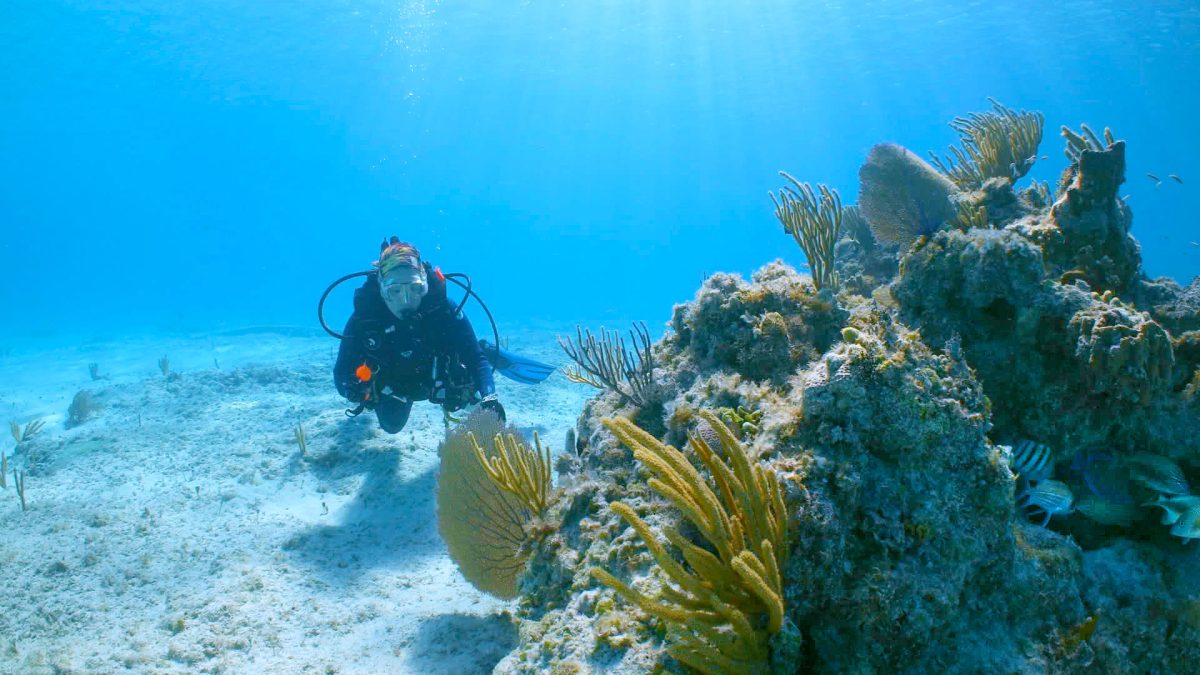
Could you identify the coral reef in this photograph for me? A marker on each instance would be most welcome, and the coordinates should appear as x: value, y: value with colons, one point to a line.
x: 1061, y: 364
x: 892, y: 406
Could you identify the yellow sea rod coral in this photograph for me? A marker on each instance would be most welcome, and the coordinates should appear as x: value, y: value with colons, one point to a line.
x: 520, y: 471
x: 815, y: 222
x: 726, y: 599
x: 1000, y: 143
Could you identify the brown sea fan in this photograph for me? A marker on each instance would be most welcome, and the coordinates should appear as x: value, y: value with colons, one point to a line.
x: 483, y: 525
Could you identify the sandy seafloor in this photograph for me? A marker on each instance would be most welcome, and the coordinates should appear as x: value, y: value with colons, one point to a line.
x: 181, y: 530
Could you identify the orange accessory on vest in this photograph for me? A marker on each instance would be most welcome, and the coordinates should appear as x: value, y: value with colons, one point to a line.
x: 363, y: 373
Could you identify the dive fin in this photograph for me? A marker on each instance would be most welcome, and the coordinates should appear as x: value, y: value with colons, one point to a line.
x: 514, y: 367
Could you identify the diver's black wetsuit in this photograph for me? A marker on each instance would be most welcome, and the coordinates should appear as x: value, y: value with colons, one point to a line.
x: 430, y: 355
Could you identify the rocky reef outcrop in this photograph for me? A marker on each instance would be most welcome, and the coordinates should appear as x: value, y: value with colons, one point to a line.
x: 890, y: 411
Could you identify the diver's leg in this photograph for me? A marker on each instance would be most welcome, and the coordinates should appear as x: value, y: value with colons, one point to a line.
x: 392, y: 414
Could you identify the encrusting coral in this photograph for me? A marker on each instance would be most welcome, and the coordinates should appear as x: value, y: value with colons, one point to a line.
x: 1128, y: 355
x: 721, y: 609
x: 783, y: 321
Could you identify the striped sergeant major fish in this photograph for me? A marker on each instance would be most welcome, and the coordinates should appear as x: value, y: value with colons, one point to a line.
x: 1032, y: 460
x: 1048, y: 497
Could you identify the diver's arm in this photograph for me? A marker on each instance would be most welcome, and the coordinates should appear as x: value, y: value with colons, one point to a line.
x: 350, y: 355
x: 467, y: 347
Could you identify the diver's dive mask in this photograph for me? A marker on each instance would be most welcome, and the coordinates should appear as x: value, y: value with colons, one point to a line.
x: 403, y: 288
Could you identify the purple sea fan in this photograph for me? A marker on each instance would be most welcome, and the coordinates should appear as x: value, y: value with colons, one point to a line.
x: 901, y: 196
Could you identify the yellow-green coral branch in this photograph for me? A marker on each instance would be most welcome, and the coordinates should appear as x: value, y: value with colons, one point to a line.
x: 815, y: 223
x: 999, y: 143
x: 750, y: 568
x: 518, y: 470
x: 720, y: 608
x: 1087, y: 140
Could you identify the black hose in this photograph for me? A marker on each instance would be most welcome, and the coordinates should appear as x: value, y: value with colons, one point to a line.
x: 470, y: 293
x: 453, y: 276
x: 321, y: 304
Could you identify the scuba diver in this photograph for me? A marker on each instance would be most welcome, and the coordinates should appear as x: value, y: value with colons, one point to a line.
x: 407, y: 342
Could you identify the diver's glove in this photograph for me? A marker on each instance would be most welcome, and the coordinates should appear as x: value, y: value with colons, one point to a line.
x: 360, y: 386
x: 360, y: 393
x: 490, y: 402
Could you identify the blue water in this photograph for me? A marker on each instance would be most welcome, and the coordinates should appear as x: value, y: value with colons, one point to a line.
x: 170, y: 166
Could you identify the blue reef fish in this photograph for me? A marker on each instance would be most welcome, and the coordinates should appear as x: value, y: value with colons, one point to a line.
x: 1107, y: 513
x: 1175, y: 178
x: 1188, y: 525
x: 1156, y: 179
x: 1103, y: 476
x: 1031, y: 460
x: 1174, y: 507
x: 1050, y: 497
x: 1158, y: 473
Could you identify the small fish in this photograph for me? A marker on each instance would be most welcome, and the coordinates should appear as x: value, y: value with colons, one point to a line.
x: 1194, y: 243
x: 1158, y: 473
x: 1104, y: 479
x: 1051, y: 497
x: 1174, y: 507
x: 1188, y: 525
x: 1154, y: 178
x: 1107, y: 513
x: 1175, y: 178
x: 1032, y: 461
